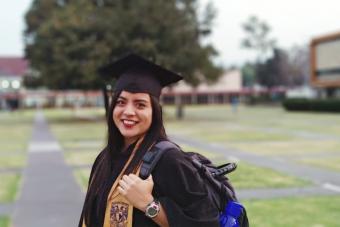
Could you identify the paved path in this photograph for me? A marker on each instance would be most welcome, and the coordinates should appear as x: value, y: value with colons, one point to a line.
x: 6, y: 209
x: 50, y: 197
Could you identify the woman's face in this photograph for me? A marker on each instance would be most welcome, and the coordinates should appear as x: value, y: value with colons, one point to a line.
x: 132, y: 115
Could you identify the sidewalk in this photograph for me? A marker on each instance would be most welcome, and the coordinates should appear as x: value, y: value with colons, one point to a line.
x: 49, y: 195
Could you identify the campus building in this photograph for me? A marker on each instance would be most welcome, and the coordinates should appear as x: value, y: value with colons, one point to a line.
x: 229, y: 85
x: 12, y: 70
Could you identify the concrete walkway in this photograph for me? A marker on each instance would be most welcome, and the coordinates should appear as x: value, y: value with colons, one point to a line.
x: 49, y: 195
x: 6, y: 209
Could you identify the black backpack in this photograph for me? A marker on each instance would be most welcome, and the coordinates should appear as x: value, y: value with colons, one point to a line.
x: 221, y: 192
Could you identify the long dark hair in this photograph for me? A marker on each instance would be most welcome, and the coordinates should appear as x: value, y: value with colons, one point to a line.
x: 99, y: 187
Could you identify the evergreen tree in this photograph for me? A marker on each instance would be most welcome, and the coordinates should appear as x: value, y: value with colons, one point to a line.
x: 67, y: 40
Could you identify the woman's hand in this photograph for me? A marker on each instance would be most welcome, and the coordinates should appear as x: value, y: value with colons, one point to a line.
x: 136, y: 191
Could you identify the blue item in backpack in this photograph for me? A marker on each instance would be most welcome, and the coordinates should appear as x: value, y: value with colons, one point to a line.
x: 232, y: 211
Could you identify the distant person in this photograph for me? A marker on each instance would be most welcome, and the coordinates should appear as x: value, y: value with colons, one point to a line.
x: 173, y: 195
x: 234, y: 103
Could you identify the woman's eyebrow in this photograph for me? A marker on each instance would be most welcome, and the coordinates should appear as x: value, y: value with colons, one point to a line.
x: 141, y: 100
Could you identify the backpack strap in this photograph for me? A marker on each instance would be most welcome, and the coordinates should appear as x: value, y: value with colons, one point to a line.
x: 224, y: 169
x: 153, y: 155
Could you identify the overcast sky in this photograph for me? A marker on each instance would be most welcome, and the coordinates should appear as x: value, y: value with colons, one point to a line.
x: 293, y: 22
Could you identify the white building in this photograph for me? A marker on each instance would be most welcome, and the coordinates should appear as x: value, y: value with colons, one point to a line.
x: 228, y: 85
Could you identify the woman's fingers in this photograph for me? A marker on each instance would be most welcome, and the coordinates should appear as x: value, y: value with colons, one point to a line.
x: 127, y: 179
x: 123, y: 184
x: 121, y: 190
x: 134, y: 177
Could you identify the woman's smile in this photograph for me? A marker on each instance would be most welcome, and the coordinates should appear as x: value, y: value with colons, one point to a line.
x: 129, y: 123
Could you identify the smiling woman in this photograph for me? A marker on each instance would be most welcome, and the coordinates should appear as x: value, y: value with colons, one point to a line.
x: 173, y: 195
x: 132, y: 115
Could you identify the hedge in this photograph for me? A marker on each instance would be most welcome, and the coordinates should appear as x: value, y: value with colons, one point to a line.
x: 317, y: 105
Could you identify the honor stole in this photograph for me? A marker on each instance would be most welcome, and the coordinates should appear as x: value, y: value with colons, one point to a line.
x: 119, y: 211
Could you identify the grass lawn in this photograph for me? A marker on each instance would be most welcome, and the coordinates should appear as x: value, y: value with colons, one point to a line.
x: 4, y: 221
x: 262, y: 130
x: 80, y: 158
x: 12, y: 161
x: 70, y: 126
x: 8, y: 187
x: 332, y: 163
x: 315, y: 211
x: 15, y: 131
x: 78, y: 131
x: 94, y: 145
x: 82, y: 177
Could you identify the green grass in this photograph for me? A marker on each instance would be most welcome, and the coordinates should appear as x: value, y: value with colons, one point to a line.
x: 8, y: 187
x: 79, y: 131
x: 332, y: 163
x: 71, y: 126
x: 250, y: 176
x: 82, y: 177
x: 83, y: 145
x: 80, y: 158
x: 12, y: 161
x: 261, y: 130
x: 4, y: 221
x: 15, y: 131
x: 315, y: 211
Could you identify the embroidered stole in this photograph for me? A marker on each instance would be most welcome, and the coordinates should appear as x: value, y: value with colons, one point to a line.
x: 119, y: 211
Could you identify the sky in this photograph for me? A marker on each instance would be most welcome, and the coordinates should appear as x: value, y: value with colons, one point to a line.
x: 292, y: 22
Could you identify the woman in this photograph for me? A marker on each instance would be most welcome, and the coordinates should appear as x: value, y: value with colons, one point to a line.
x: 174, y: 195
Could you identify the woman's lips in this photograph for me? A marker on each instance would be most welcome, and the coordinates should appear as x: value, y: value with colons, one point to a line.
x: 129, y: 123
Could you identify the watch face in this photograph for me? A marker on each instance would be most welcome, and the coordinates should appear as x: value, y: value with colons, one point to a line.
x: 152, y: 211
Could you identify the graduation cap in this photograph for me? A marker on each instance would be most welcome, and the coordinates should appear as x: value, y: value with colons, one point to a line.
x: 138, y: 75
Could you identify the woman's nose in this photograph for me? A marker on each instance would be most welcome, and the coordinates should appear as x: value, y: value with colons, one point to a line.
x: 129, y: 110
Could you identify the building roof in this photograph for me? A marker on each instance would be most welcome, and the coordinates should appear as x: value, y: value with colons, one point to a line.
x: 13, y: 66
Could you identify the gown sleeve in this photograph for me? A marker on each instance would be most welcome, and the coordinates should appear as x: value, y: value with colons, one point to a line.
x: 182, y: 192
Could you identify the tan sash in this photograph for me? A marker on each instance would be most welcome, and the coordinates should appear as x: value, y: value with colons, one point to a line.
x: 119, y: 211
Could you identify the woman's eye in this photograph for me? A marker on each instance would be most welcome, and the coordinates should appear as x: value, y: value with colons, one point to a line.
x: 120, y: 102
x: 141, y: 105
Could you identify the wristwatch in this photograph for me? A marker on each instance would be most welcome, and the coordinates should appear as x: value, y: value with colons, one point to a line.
x: 153, y: 208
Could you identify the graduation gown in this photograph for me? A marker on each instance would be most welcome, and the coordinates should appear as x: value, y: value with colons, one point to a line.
x: 182, y: 193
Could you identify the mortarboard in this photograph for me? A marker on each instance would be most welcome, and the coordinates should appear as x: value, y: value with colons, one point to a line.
x: 138, y: 75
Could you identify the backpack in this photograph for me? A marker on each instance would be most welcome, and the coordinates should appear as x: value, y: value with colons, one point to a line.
x: 220, y: 190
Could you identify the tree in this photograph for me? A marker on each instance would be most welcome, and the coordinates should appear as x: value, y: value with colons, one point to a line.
x: 248, y: 74
x: 285, y: 68
x: 257, y: 39
x: 66, y: 41
x: 299, y: 65
x: 257, y: 32
x: 273, y: 72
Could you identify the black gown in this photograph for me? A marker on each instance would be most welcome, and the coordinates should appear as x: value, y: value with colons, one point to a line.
x: 182, y: 193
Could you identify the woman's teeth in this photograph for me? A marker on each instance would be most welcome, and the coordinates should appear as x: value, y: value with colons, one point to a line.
x: 129, y: 122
